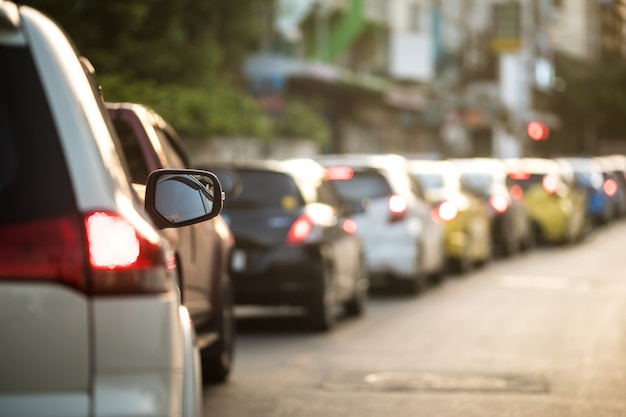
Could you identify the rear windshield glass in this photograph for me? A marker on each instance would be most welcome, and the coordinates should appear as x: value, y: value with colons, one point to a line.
x: 265, y: 189
x: 430, y: 181
x: 362, y: 185
x: 526, y: 181
x: 477, y: 181
x: 34, y: 182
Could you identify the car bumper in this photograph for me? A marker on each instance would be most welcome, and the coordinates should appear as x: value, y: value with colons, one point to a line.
x: 278, y: 276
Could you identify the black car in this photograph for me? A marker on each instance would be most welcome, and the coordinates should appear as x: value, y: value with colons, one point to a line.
x: 292, y: 245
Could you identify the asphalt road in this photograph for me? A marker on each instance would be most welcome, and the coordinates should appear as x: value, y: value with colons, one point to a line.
x: 541, y: 334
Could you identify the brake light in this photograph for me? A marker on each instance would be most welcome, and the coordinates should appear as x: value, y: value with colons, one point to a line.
x: 122, y: 259
x: 113, y: 242
x: 519, y: 176
x: 339, y: 173
x: 446, y: 212
x: 516, y: 192
x: 610, y: 187
x: 498, y: 203
x: 349, y: 226
x: 397, y: 207
x: 46, y: 250
x: 550, y: 184
x: 103, y: 254
x: 300, y: 231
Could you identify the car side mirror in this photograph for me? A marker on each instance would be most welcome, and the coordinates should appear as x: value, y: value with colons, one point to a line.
x: 180, y: 197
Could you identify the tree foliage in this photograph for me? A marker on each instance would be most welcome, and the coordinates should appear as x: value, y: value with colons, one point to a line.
x: 181, y: 57
x: 593, y: 98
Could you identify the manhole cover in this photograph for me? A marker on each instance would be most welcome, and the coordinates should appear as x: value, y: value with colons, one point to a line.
x: 435, y: 381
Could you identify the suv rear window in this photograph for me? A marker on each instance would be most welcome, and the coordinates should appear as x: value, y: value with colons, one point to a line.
x: 363, y: 185
x: 34, y: 181
x: 266, y: 189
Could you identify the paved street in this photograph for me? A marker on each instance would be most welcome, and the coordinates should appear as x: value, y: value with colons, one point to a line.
x: 542, y: 334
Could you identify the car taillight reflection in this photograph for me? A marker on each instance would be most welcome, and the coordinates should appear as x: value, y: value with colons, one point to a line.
x: 446, y: 211
x: 498, y: 203
x: 610, y: 187
x: 550, y: 184
x: 397, y: 207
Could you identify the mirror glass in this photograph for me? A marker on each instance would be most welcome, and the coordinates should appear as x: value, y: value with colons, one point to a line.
x: 181, y: 197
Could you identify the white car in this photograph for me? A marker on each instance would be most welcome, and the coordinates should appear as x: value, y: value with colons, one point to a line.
x: 404, y: 244
x: 91, y: 320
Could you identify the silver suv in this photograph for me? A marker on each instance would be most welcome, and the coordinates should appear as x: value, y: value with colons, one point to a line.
x: 91, y: 319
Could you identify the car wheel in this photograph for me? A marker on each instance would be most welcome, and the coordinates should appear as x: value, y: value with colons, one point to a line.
x: 321, y: 309
x: 217, y: 359
x: 357, y: 304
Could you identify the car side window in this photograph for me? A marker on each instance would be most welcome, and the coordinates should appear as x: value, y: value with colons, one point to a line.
x: 174, y: 159
x: 133, y: 154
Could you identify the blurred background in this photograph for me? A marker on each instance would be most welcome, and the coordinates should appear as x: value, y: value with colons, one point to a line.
x: 290, y: 78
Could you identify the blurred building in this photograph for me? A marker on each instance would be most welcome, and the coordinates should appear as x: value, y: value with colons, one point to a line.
x: 455, y: 77
x: 588, y: 34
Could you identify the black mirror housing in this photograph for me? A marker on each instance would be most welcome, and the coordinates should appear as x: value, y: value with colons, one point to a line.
x: 181, y: 197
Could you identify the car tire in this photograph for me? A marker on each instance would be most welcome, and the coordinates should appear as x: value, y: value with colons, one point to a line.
x: 217, y: 359
x: 321, y: 312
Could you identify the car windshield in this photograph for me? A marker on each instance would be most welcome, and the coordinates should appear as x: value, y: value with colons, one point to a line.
x: 265, y: 189
x: 362, y: 185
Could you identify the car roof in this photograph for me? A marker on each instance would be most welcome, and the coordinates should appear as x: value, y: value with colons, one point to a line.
x: 362, y: 160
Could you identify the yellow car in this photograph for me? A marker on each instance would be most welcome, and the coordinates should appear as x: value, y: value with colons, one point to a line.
x: 465, y: 218
x: 555, y: 203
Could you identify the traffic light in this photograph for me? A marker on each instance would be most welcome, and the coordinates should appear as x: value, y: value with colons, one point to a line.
x: 537, y: 131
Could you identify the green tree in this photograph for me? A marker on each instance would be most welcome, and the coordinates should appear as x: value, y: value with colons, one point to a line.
x: 300, y: 121
x: 181, y: 57
x: 593, y: 104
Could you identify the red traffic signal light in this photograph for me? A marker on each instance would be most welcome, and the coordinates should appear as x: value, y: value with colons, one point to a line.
x: 537, y: 131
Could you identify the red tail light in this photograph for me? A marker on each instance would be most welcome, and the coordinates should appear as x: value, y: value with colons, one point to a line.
x: 123, y: 260
x: 104, y: 255
x: 398, y: 207
x: 516, y: 192
x: 519, y: 175
x: 610, y: 187
x: 498, y: 203
x: 301, y: 231
x: 44, y: 250
x: 550, y: 184
x: 446, y: 211
x: 349, y: 226
x: 339, y: 173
